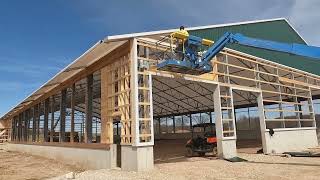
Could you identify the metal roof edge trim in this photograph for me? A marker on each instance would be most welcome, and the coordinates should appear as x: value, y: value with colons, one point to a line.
x: 149, y: 33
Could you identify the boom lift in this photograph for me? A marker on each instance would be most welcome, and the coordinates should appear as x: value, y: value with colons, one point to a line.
x: 193, y: 60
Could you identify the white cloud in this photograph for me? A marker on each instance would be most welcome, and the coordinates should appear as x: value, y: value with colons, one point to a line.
x: 305, y: 16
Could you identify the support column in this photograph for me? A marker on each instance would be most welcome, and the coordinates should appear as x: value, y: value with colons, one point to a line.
x: 73, y: 93
x: 34, y: 123
x: 12, y: 128
x: 14, y: 132
x: 38, y: 122
x: 20, y: 127
x: 52, y: 119
x: 26, y: 125
x: 88, y: 109
x: 139, y: 155
x: 226, y: 145
x: 63, y: 115
x: 262, y: 124
x: 46, y: 119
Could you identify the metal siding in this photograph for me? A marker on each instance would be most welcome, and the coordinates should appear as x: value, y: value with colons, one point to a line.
x: 278, y: 30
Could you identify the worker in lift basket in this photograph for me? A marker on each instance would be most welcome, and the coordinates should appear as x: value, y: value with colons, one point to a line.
x: 180, y: 43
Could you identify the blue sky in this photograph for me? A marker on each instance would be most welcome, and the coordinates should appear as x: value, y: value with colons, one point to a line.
x: 38, y: 38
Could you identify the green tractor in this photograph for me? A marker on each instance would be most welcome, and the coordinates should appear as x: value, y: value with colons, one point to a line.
x: 203, y: 140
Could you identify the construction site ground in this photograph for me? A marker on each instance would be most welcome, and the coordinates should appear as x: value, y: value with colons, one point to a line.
x: 14, y: 165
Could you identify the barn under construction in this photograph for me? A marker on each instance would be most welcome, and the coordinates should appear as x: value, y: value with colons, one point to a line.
x: 113, y: 107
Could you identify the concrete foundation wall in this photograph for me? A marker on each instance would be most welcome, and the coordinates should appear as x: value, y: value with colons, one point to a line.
x: 86, y: 158
x: 290, y: 140
x: 136, y: 158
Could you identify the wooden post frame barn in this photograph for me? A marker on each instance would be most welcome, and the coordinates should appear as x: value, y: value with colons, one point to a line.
x: 112, y: 106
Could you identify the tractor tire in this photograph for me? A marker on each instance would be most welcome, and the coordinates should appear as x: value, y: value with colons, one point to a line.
x: 215, y: 151
x: 189, y: 152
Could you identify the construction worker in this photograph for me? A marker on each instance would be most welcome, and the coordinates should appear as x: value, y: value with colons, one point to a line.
x: 183, y: 31
x: 180, y: 36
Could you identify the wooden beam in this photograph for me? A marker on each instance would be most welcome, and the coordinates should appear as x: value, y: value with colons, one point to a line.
x: 34, y: 124
x: 73, y: 93
x: 20, y: 127
x: 63, y: 107
x: 46, y: 119
x: 52, y: 118
x: 38, y: 121
x: 25, y: 129
x: 13, y: 129
x: 88, y: 108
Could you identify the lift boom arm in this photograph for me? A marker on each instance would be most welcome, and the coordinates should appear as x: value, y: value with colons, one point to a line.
x: 296, y: 49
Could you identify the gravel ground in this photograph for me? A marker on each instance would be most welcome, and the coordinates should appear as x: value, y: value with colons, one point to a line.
x: 15, y: 165
x: 258, y: 167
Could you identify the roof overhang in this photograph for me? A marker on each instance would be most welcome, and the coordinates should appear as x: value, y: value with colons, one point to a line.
x: 96, y: 52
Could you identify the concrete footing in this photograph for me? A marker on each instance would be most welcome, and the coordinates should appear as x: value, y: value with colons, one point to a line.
x: 136, y: 158
x: 227, y: 148
x: 290, y: 140
x: 85, y: 158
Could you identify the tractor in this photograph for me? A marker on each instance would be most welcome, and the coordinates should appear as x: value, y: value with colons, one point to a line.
x: 203, y: 140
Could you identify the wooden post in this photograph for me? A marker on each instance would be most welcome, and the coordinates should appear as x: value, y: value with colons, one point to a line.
x: 52, y: 119
x: 12, y: 128
x: 25, y: 131
x: 28, y: 124
x: 19, y: 126
x: 63, y: 115
x: 72, y: 112
x: 15, y: 128
x: 46, y: 119
x: 34, y: 124
x: 38, y: 121
x: 88, y: 109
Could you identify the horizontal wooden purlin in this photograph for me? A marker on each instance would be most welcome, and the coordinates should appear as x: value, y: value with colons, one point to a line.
x: 269, y: 64
x: 110, y: 57
x: 290, y: 120
x: 285, y: 102
x: 286, y: 94
x: 283, y: 110
x: 293, y: 81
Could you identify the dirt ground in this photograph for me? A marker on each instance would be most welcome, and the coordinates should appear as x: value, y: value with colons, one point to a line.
x: 170, y: 163
x: 18, y: 166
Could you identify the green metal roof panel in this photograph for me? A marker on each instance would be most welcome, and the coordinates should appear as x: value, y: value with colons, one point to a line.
x: 278, y: 30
